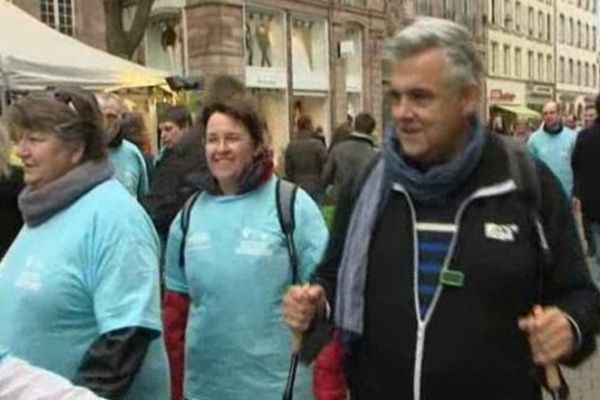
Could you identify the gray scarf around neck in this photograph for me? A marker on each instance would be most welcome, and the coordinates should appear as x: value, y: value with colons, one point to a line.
x: 434, y: 185
x: 421, y: 186
x: 37, y: 206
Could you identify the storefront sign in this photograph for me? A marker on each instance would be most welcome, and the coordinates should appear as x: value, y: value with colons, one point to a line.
x: 497, y: 95
x: 258, y: 77
x: 542, y: 90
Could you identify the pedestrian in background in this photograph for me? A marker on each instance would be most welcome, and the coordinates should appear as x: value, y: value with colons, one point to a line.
x: 227, y: 272
x: 305, y: 159
x: 134, y: 130
x: 553, y: 143
x: 435, y: 263
x: 349, y: 157
x: 586, y: 170
x: 130, y: 167
x: 79, y: 287
x: 11, y: 184
x: 173, y: 124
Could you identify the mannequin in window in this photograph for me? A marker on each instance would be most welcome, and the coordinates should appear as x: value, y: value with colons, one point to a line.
x: 168, y: 40
x: 264, y: 43
x: 249, y: 44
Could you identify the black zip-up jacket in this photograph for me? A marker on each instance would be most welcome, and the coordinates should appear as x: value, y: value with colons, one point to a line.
x: 586, y: 170
x: 471, y: 346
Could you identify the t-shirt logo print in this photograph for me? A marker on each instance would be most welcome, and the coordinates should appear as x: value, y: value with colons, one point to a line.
x: 503, y: 233
x: 254, y: 243
x: 31, y: 278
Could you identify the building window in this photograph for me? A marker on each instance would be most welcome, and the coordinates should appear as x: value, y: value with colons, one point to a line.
x: 587, y: 74
x: 549, y: 68
x: 494, y: 55
x: 571, y: 31
x: 561, y: 28
x: 540, y: 25
x: 594, y: 38
x: 518, y: 16
x: 548, y: 28
x: 594, y: 76
x: 540, y: 66
x: 578, y: 73
x: 530, y: 65
x: 586, y: 38
x: 58, y: 14
x: 531, y: 21
x: 508, y: 18
x: 495, y: 12
x: 507, y: 60
x: 518, y: 62
x: 579, y: 34
x: 561, y: 70
x: 570, y: 71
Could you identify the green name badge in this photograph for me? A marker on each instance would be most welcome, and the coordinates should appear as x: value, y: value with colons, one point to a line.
x: 449, y: 277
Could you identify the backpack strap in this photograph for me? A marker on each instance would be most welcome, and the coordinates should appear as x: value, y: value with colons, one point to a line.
x: 184, y: 224
x: 285, y: 199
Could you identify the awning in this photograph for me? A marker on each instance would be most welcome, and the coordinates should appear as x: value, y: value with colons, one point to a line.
x: 34, y: 56
x: 518, y: 110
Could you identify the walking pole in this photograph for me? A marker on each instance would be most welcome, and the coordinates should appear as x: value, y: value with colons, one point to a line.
x: 554, y: 382
x: 288, y: 394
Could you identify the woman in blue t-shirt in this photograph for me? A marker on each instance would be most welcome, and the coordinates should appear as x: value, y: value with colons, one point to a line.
x: 79, y: 287
x: 227, y: 273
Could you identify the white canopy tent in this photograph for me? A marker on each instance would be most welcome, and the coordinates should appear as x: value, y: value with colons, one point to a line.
x: 34, y: 56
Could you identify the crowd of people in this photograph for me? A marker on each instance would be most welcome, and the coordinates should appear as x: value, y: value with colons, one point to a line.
x: 453, y: 267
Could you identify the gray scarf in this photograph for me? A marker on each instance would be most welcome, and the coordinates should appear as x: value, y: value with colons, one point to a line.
x: 37, y: 206
x: 432, y: 186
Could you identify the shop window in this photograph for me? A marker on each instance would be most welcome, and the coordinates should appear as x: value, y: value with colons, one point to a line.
x: 164, y: 43
x: 264, y: 39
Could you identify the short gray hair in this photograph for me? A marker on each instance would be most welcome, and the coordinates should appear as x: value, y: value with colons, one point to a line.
x: 426, y: 33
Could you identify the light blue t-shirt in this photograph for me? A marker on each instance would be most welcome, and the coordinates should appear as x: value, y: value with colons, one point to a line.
x: 555, y: 151
x: 130, y: 168
x: 90, y: 269
x: 236, y: 273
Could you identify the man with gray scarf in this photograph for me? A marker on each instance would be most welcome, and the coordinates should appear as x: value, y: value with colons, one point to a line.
x: 445, y: 278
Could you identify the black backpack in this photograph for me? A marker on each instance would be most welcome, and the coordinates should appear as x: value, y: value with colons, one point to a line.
x: 285, y: 198
x: 524, y: 172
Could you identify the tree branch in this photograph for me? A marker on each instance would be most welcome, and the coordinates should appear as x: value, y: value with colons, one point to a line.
x: 139, y: 24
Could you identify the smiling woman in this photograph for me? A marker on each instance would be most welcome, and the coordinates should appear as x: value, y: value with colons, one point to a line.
x: 226, y: 275
x: 86, y: 266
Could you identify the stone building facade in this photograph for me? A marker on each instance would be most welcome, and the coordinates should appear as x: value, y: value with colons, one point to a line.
x: 319, y: 58
x: 577, y: 54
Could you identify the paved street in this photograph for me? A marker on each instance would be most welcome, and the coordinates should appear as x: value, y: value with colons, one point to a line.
x: 585, y: 380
